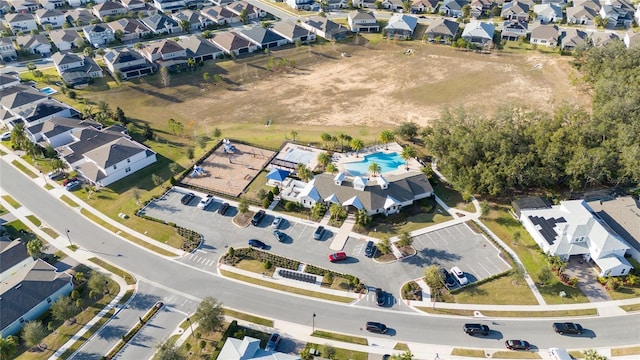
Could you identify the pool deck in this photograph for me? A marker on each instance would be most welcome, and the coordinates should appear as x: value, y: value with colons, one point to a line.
x: 289, y: 147
x: 350, y: 157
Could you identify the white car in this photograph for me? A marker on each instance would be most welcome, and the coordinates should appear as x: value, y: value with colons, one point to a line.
x: 459, y: 275
x: 206, y: 201
x: 6, y: 136
x: 276, y: 222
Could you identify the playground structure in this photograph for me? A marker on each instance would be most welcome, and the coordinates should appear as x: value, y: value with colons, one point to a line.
x: 228, y: 147
x: 198, y: 171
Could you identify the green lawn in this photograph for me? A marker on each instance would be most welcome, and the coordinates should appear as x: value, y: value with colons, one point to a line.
x: 415, y: 222
x: 11, y: 201
x: 451, y: 197
x: 339, y: 353
x: 518, y: 293
x: 340, y: 337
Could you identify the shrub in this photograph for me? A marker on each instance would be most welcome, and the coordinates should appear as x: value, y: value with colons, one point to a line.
x: 267, y: 265
x: 290, y: 206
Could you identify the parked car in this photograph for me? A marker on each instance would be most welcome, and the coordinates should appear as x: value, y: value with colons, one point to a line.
x: 73, y: 185
x: 280, y: 236
x: 472, y: 329
x: 376, y: 327
x: 277, y: 221
x: 257, y: 218
x: 205, y: 201
x: 257, y: 244
x: 517, y: 345
x: 380, y: 298
x: 567, y: 328
x: 56, y: 174
x: 186, y: 199
x: 447, y: 279
x: 317, y: 235
x: 339, y: 256
x: 273, y: 342
x: 223, y: 208
x: 459, y: 275
x: 370, y: 250
x: 6, y: 136
x: 68, y: 180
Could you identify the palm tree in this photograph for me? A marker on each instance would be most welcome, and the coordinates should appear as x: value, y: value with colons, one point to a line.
x: 356, y: 145
x: 331, y: 168
x: 303, y: 172
x: 324, y: 158
x: 35, y: 247
x: 343, y: 137
x: 326, y: 137
x: 337, y: 211
x: 8, y: 347
x: 407, y: 153
x: 293, y: 135
x: 374, y: 168
x: 387, y: 136
x: 19, y: 136
x: 243, y: 206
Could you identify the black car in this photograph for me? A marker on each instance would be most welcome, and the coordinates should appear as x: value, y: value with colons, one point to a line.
x: 567, y: 328
x: 186, y: 199
x: 257, y: 244
x: 517, y: 345
x: 376, y: 327
x: 380, y: 297
x: 370, y: 250
x: 317, y: 235
x: 472, y: 329
x: 447, y: 279
x: 273, y: 342
x: 279, y: 235
x: 223, y: 208
x: 257, y: 218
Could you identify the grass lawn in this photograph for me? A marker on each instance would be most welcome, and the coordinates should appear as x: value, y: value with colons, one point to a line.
x: 558, y: 313
x: 517, y: 294
x: 340, y: 337
x: 34, y: 220
x: 630, y: 308
x: 50, y: 232
x: 24, y: 169
x: 14, y: 204
x: 413, y: 223
x: 401, y: 347
x: 505, y: 226
x: 515, y: 355
x: 339, y: 353
x: 3, y: 210
x: 260, y: 182
x: 452, y: 197
x: 626, y: 351
x: 67, y: 200
x: 128, y: 278
x: 468, y: 352
x: 248, y: 317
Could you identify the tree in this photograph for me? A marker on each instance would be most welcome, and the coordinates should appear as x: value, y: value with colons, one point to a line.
x: 217, y: 132
x: 518, y: 274
x: 405, y: 239
x: 31, y: 66
x: 118, y: 76
x: 217, y: 79
x: 169, y: 351
x: 408, y: 130
x: 357, y: 145
x: 185, y: 25
x: 466, y: 11
x: 19, y: 136
x: 118, y: 35
x: 304, y: 173
x: 120, y: 117
x: 210, y: 314
x: 337, y: 211
x: 591, y: 354
x: 206, y: 77
x: 407, y: 355
x: 326, y: 137
x: 600, y: 21
x: 408, y: 152
x: 387, y: 136
x: 33, y: 332
x: 138, y: 45
x: 374, y: 168
x: 384, y: 246
x: 165, y: 77
x: 243, y: 206
x: 244, y: 17
x: 35, y: 247
x: 157, y: 180
x: 545, y: 275
x: 318, y: 210
x: 324, y: 159
x: 191, y: 63
x: 293, y: 134
x: 98, y: 282
x: 8, y: 347
x: 100, y: 52
x: 63, y: 309
x: 434, y: 280
x: 331, y: 168
x: 88, y: 51
x: 207, y: 34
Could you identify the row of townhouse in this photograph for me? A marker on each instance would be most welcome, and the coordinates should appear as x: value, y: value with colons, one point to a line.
x: 20, y: 6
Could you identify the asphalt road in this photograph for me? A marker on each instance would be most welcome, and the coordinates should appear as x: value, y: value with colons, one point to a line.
x: 176, y: 278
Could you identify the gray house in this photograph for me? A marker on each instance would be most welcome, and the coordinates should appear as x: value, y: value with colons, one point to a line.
x: 401, y: 26
x: 443, y: 29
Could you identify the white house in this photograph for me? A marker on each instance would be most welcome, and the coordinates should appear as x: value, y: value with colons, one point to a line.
x: 249, y: 349
x: 21, y: 22
x: 547, y: 13
x: 76, y: 69
x: 7, y: 50
x: 35, y: 44
x: 66, y: 39
x: 360, y: 20
x: 54, y: 17
x: 99, y: 34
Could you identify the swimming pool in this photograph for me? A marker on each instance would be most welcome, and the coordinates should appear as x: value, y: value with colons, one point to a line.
x: 387, y: 161
x: 49, y: 91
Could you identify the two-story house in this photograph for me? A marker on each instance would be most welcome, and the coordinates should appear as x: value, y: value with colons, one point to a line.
x: 54, y: 18
x: 21, y: 22
x: 169, y: 6
x: 129, y: 63
x: 161, y: 24
x: 453, y: 8
x: 512, y: 30
x: 23, y: 6
x: 76, y: 70
x: 52, y: 4
x: 360, y: 20
x: 7, y: 50
x: 98, y: 34
x: 66, y: 39
x: 109, y: 8
x: 165, y: 53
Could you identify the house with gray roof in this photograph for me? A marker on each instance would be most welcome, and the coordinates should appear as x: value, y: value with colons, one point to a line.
x: 66, y: 39
x: 264, y: 38
x: 444, y: 30
x: 481, y: 8
x: 393, y: 5
x: 220, y: 15
x: 80, y: 17
x: 364, y: 4
x: 22, y: 6
x: 253, y: 12
x: 547, y: 13
x: 43, y: 111
x: 515, y: 10
x: 161, y: 24
x: 546, y: 35
x: 424, y: 6
x: 7, y: 50
x: 325, y: 28
x: 619, y: 13
x: 453, y: 7
x: 14, y: 98
x: 572, y: 38
x: 98, y: 34
x: 249, y: 349
x: 13, y: 257
x: 53, y: 17
x: 512, y: 30
x: 631, y: 39
x: 478, y: 32
x: 197, y: 20
x: 621, y: 214
x: 109, y: 8
x: 200, y: 49
x: 52, y: 4
x: 76, y: 70
x: 57, y: 131
x: 362, y: 21
x: 133, y: 5
x: 602, y: 38
x: 21, y: 22
x: 232, y: 43
x: 34, y: 44
x: 132, y: 29
x: 165, y: 53
x: 293, y: 32
x: 400, y: 26
x: 128, y: 62
x: 581, y: 14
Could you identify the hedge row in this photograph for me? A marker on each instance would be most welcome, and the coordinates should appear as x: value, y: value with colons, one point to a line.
x: 131, y: 333
x: 263, y: 256
x: 354, y: 281
x: 190, y: 239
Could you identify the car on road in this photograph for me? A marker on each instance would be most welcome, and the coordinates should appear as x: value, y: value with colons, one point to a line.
x: 447, y: 279
x: 277, y: 221
x: 257, y: 218
x: 280, y: 236
x: 380, y: 298
x: 370, y: 250
x: 459, y: 275
x: 567, y: 328
x: 223, y: 208
x: 205, y: 201
x: 517, y: 345
x: 257, y: 244
x: 339, y: 256
x: 472, y: 329
x: 6, y: 136
x: 376, y: 327
x: 73, y: 185
x: 273, y: 342
x: 186, y: 199
x: 317, y: 235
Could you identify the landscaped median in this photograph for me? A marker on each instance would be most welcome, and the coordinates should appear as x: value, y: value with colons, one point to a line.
x: 131, y: 333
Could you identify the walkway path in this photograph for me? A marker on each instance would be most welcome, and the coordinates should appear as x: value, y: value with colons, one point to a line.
x: 341, y: 237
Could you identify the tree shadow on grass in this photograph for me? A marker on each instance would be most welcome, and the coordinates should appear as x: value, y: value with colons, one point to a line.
x: 156, y: 94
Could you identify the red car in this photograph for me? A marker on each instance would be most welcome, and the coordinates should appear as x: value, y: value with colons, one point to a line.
x: 339, y: 256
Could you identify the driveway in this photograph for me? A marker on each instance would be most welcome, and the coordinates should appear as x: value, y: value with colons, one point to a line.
x: 587, y: 279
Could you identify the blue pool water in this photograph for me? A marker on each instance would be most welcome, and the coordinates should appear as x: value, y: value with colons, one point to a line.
x: 388, y: 162
x: 48, y: 91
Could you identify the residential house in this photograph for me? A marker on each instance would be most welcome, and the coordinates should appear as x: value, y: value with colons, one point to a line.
x: 16, y: 100
x: 252, y: 12
x: 631, y: 39
x: 200, y: 49
x: 23, y: 6
x: 57, y: 131
x: 602, y: 38
x: 52, y: 4
x: 165, y: 53
x: 393, y: 5
x: 581, y: 14
x: 332, y: 5
x: 35, y: 44
x: 220, y: 15
x: 325, y: 28
x: 37, y: 113
x: 364, y: 4
x: 308, y: 5
x: 481, y: 8
x: 76, y: 70
x: 573, y: 229
x: 264, y: 38
x: 572, y: 38
x: 55, y: 18
x: 80, y: 17
x: 424, y: 6
x: 547, y: 13
x: 21, y: 22
x: 512, y: 30
x: 249, y: 349
x: 9, y: 80
x: 66, y: 39
x: 130, y: 64
x: 7, y: 50
x: 515, y: 10
x: 109, y: 8
x: 98, y: 34
x: 232, y: 43
x: 478, y: 32
x: 293, y: 32
x: 442, y: 30
x: 77, y: 3
x: 546, y: 35
x: 132, y: 29
x: 386, y: 194
x: 169, y: 6
x: 362, y: 21
x: 5, y: 7
x: 400, y: 26
x: 134, y: 5
x: 621, y: 215
x: 197, y: 21
x: 161, y: 24
x: 619, y: 13
x: 28, y: 288
x: 453, y: 7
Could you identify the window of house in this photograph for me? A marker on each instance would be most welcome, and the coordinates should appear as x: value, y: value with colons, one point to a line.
x: 21, y: 320
x: 48, y: 300
x: 127, y: 169
x: 114, y: 167
x: 128, y: 160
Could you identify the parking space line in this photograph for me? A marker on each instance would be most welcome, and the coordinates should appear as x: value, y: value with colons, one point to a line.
x: 202, y: 261
x: 489, y: 273
x: 473, y: 271
x: 210, y: 262
x: 191, y: 256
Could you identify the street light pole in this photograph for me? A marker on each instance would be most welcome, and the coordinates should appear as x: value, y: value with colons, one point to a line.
x: 190, y: 326
x: 68, y: 238
x: 313, y: 324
